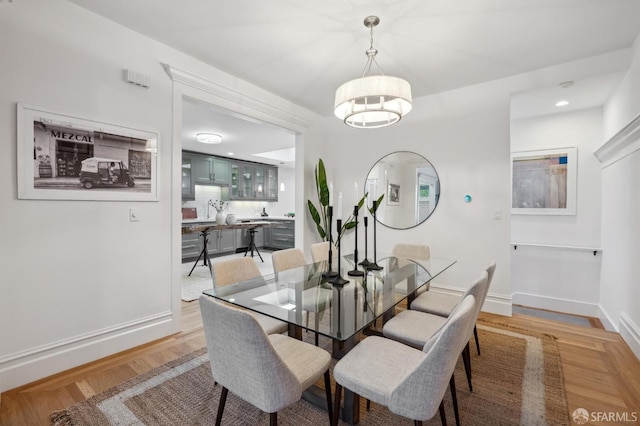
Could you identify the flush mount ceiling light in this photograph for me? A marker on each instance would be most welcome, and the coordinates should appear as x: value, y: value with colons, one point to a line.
x: 372, y: 101
x: 208, y: 138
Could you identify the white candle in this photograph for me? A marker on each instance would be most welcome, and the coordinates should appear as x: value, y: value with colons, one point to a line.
x: 355, y: 194
x: 339, y: 216
x: 331, y: 193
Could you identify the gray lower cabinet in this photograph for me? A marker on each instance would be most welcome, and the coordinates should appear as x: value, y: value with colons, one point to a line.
x: 219, y: 242
x: 281, y: 235
x: 191, y: 245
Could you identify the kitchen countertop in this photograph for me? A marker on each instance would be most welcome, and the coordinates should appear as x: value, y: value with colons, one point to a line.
x: 252, y: 219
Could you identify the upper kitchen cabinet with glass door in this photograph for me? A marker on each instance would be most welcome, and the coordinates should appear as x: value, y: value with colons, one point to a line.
x: 271, y: 188
x: 188, y: 192
x: 242, y: 181
x: 252, y: 181
x: 259, y: 187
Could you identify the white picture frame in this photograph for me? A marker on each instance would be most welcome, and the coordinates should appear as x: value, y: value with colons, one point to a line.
x: 544, y: 182
x: 65, y: 157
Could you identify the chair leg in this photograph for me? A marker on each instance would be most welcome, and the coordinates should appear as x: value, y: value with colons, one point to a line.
x: 368, y: 404
x: 223, y: 400
x: 317, y: 325
x: 475, y: 334
x: 467, y: 367
x: 454, y: 398
x: 273, y: 419
x: 327, y: 391
x: 417, y: 423
x: 336, y: 404
x: 443, y: 417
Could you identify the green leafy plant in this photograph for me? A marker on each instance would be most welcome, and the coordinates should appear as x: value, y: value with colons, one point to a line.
x: 320, y: 214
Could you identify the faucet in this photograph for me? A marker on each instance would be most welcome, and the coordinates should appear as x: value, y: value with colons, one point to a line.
x: 209, y: 204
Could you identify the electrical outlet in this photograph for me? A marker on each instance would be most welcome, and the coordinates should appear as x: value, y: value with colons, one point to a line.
x: 134, y: 214
x: 497, y: 214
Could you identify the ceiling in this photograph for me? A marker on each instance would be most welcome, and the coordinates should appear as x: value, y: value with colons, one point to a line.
x: 303, y: 50
x: 241, y: 135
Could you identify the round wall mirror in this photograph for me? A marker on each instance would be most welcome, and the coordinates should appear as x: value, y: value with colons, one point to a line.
x: 411, y: 189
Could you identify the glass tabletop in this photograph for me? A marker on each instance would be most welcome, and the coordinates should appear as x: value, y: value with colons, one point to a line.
x: 306, y: 298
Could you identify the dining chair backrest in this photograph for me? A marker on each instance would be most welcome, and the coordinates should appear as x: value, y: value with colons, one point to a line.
x: 419, y: 394
x: 478, y: 290
x: 243, y: 359
x: 411, y: 251
x: 234, y: 270
x: 491, y: 269
x: 320, y: 251
x: 287, y: 259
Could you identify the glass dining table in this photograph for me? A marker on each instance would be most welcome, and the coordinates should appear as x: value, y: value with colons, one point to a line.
x: 341, y: 308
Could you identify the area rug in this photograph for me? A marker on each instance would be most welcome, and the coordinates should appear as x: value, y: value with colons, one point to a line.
x: 516, y: 381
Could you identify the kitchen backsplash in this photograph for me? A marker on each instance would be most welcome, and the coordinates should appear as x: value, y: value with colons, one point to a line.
x: 204, y: 193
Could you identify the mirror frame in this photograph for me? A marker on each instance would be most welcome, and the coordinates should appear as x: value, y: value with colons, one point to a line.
x: 386, y: 183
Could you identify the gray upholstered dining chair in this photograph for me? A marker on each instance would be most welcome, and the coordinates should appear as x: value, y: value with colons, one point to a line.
x: 243, y: 269
x: 268, y: 371
x: 414, y: 252
x: 443, y: 304
x: 415, y: 328
x: 410, y: 382
x: 320, y: 252
x: 411, y: 251
x: 314, y: 299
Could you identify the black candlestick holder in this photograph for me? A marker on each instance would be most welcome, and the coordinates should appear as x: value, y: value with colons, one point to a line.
x: 355, y: 272
x: 374, y: 265
x: 366, y: 261
x: 329, y: 273
x: 338, y: 280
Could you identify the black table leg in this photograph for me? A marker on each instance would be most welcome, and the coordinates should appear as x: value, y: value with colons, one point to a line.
x: 204, y: 254
x: 252, y: 244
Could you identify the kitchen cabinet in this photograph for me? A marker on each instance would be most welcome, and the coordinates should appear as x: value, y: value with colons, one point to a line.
x: 281, y: 235
x: 223, y: 241
x: 271, y: 188
x: 253, y: 181
x: 191, y: 246
x: 210, y: 170
x: 188, y: 190
x: 219, y: 242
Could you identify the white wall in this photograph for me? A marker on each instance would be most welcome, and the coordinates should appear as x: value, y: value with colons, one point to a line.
x: 566, y: 280
x: 79, y: 281
x: 464, y: 133
x: 619, y: 291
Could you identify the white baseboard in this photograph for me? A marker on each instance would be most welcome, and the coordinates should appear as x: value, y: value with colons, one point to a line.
x: 24, y: 367
x: 498, y: 304
x: 606, y: 320
x: 575, y: 307
x: 630, y: 332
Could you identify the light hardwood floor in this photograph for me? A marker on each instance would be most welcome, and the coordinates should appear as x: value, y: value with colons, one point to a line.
x: 600, y: 371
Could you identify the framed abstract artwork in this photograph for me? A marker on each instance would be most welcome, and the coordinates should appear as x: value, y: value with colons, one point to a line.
x: 544, y: 182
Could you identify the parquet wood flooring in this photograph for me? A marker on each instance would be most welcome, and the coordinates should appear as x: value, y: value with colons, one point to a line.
x: 600, y: 371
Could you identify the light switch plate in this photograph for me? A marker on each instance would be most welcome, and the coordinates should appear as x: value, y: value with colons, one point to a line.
x: 134, y: 214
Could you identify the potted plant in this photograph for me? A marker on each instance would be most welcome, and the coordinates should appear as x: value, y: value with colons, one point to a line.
x: 320, y: 214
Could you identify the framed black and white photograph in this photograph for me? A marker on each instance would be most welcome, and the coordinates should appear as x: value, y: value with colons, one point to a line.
x: 393, y: 194
x: 64, y: 157
x: 544, y: 182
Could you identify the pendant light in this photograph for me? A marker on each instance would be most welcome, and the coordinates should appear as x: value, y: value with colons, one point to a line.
x: 372, y: 101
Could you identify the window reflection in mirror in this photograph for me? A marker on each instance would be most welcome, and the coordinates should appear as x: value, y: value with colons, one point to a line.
x: 411, y: 189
